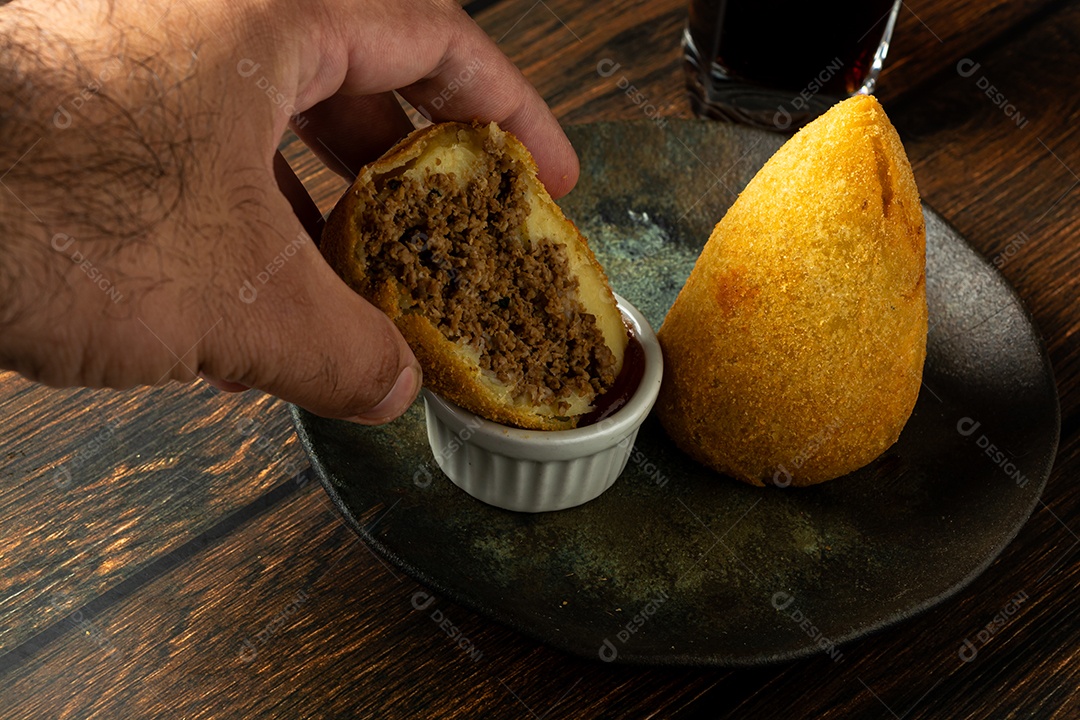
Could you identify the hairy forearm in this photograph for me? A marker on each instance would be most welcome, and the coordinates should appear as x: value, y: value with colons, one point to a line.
x: 118, y: 151
x: 98, y: 140
x: 27, y: 82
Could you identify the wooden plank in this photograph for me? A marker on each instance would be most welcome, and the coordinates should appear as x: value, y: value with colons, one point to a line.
x: 558, y: 45
x: 293, y: 617
x: 96, y: 484
x: 931, y: 37
x: 356, y: 645
x: 324, y: 186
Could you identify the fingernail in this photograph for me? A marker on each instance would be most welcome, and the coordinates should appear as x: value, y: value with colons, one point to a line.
x: 226, y: 386
x: 396, y: 402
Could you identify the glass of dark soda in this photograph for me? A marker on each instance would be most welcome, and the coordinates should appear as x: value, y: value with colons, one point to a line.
x: 778, y: 64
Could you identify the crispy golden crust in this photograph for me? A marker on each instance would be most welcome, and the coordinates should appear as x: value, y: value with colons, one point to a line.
x: 447, y: 369
x: 794, y: 353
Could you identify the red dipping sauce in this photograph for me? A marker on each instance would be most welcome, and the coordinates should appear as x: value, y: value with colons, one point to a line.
x: 626, y: 384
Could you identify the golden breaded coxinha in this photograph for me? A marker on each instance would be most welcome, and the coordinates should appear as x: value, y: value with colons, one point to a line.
x: 794, y: 353
x: 453, y: 236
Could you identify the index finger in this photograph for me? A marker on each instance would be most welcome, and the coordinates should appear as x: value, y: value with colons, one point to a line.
x: 475, y: 81
x: 446, y: 66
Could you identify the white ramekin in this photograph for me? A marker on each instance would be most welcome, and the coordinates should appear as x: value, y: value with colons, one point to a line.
x: 542, y: 470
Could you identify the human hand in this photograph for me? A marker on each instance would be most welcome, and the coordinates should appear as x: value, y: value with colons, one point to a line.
x: 148, y: 234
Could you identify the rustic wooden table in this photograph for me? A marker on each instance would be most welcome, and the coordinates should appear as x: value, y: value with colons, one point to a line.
x: 167, y: 552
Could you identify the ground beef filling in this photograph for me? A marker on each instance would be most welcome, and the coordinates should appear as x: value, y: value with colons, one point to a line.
x: 464, y: 261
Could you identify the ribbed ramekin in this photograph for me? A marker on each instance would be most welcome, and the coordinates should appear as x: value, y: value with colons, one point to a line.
x: 538, y: 470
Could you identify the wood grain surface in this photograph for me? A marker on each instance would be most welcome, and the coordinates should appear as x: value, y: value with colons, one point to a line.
x: 168, y: 554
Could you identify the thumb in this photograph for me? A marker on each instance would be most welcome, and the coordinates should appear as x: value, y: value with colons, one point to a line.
x: 292, y: 328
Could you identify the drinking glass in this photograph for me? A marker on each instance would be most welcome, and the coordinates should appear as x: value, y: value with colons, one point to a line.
x: 778, y: 64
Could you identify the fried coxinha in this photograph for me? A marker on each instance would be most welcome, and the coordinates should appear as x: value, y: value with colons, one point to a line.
x: 794, y: 353
x: 454, y: 237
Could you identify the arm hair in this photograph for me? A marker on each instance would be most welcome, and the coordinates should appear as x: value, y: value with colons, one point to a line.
x: 98, y: 144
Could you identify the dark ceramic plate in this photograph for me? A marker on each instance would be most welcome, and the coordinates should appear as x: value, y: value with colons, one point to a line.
x: 678, y: 566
